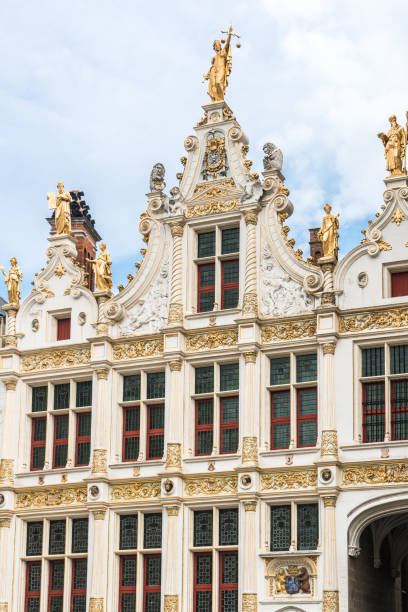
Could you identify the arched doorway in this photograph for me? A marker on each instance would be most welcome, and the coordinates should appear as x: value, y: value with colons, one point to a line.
x: 378, y: 560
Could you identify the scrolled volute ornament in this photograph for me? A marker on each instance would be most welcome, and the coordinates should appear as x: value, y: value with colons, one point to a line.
x: 313, y: 282
x: 282, y: 204
x: 190, y: 143
x: 146, y: 226
x: 236, y: 133
x: 114, y: 311
x: 156, y: 204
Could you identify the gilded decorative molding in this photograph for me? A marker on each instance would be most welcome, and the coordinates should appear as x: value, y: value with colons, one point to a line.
x: 375, y: 473
x: 6, y: 470
x: 211, y: 208
x: 289, y: 330
x: 69, y: 496
x: 211, y: 486
x: 136, y: 490
x: 330, y: 601
x: 99, y: 515
x: 329, y: 444
x: 329, y: 501
x: 173, y: 510
x: 64, y: 358
x: 170, y: 603
x: 250, y: 356
x: 3, y: 606
x: 102, y: 373
x: 175, y: 313
x: 329, y: 348
x: 281, y: 481
x: 398, y: 217
x: 173, y: 458
x: 175, y: 365
x: 250, y: 506
x: 378, y: 319
x: 60, y: 270
x: 249, y: 602
x: 99, y: 461
x: 96, y: 604
x: 138, y: 348
x: 211, y: 339
x: 10, y: 384
x: 177, y: 229
x: 250, y: 304
x: 251, y: 218
x: 204, y: 192
x: 249, y: 449
x: 6, y: 523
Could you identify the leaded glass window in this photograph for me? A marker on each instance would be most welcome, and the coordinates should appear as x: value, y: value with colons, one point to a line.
x: 155, y: 431
x: 230, y: 240
x: 280, y: 371
x: 307, y: 415
x: 33, y: 586
x: 39, y: 399
x: 83, y: 441
x: 230, y: 284
x: 399, y: 409
x: 280, y: 527
x: 373, y: 361
x: 152, y: 536
x: 206, y: 244
x: 61, y: 396
x: 204, y: 379
x: 34, y: 538
x: 229, y: 376
x: 131, y: 433
x: 61, y: 441
x: 203, y: 527
x: 229, y: 424
x: 228, y: 526
x: 306, y: 367
x: 79, y: 535
x: 131, y: 388
x: 399, y: 359
x: 155, y: 385
x: 280, y: 419
x: 152, y: 584
x: 229, y: 582
x: 39, y: 429
x: 127, y: 584
x: 307, y: 526
x: 204, y: 426
x: 128, y: 532
x: 84, y: 393
x: 373, y: 412
x: 57, y: 538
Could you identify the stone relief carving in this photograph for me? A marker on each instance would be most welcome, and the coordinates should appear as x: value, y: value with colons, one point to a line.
x: 149, y: 313
x: 280, y: 294
x: 174, y: 205
x: 252, y: 192
x: 273, y: 159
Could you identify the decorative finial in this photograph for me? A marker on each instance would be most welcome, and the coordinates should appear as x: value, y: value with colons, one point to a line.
x: 61, y: 203
x: 328, y: 233
x: 221, y: 64
x: 12, y: 280
x: 395, y: 147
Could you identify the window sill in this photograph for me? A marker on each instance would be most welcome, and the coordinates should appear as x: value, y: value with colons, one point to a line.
x: 75, y: 468
x: 361, y: 445
x: 132, y: 464
x: 211, y: 313
x: 289, y: 451
x: 211, y: 457
x: 289, y: 553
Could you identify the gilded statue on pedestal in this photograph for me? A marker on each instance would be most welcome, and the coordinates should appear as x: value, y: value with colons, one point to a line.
x: 61, y: 203
x: 101, y: 266
x: 221, y: 63
x: 12, y: 280
x: 395, y: 147
x: 328, y: 233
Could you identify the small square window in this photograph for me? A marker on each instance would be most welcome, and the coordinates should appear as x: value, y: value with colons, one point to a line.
x: 399, y: 283
x: 64, y: 328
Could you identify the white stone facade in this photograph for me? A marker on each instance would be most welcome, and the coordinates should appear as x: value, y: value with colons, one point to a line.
x: 153, y: 325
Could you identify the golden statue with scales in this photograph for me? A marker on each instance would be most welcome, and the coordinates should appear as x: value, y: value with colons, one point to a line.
x: 221, y: 64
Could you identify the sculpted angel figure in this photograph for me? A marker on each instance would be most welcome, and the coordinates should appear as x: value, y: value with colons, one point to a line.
x: 61, y: 203
x: 101, y: 266
x: 273, y: 159
x: 218, y: 74
x: 280, y: 581
x: 395, y: 147
x: 328, y: 233
x: 12, y: 280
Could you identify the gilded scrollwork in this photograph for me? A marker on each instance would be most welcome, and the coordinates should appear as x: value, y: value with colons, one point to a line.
x: 138, y: 348
x: 136, y: 490
x: 211, y: 486
x: 376, y: 319
x: 330, y: 601
x: 173, y: 457
x: 211, y: 340
x: 171, y: 603
x: 249, y: 602
x: 68, y: 496
x: 211, y: 208
x: 377, y: 473
x: 280, y: 481
x: 289, y: 330
x: 218, y: 190
x: 66, y: 358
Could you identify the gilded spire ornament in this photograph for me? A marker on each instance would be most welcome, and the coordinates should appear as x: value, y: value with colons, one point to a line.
x: 329, y: 234
x: 221, y: 64
x: 395, y: 147
x: 102, y: 269
x: 61, y: 203
x: 12, y: 280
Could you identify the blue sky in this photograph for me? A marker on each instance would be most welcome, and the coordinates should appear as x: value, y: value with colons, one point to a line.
x: 96, y: 91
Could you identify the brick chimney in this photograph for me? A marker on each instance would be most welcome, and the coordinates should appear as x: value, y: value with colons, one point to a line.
x: 84, y: 232
x: 316, y: 248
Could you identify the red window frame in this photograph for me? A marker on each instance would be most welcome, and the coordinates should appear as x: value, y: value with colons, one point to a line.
x: 279, y: 420
x: 225, y: 286
x: 38, y: 443
x: 152, y: 432
x: 206, y: 588
x: 151, y: 588
x: 125, y: 589
x: 30, y: 594
x: 59, y: 441
x: 76, y: 592
x: 206, y: 427
x: 64, y: 328
x: 399, y: 283
x: 54, y: 592
x: 228, y: 586
x: 229, y: 425
x: 132, y: 433
x: 304, y: 417
x: 206, y: 288
x: 80, y: 439
x: 395, y: 410
x: 369, y: 412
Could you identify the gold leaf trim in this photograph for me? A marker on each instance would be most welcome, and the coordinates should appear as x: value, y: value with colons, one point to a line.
x: 211, y: 340
x: 51, y: 497
x: 137, y: 490
x: 289, y: 330
x: 56, y: 359
x: 210, y: 486
x: 380, y: 473
x: 380, y: 319
x: 280, y: 481
x: 211, y: 208
x: 138, y: 348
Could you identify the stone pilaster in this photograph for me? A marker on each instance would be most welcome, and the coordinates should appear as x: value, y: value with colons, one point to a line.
x: 250, y: 299
x: 173, y: 454
x: 250, y: 422
x: 6, y: 565
x: 99, y: 455
x: 11, y: 337
x: 171, y: 584
x: 329, y: 447
x: 175, y: 316
x: 249, y: 583
x: 330, y: 572
x: 98, y: 542
x: 9, y: 433
x: 102, y: 324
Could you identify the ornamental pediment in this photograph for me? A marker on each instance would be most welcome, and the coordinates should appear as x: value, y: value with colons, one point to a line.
x: 222, y: 189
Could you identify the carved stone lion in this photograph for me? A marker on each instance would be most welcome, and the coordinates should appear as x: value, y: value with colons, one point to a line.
x: 157, y: 178
x: 273, y: 159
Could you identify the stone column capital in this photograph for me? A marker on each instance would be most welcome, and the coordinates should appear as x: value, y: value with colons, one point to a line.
x: 177, y: 228
x: 99, y: 515
x: 250, y: 356
x: 172, y: 510
x: 330, y: 501
x: 96, y: 604
x: 249, y: 602
x: 175, y: 365
x: 250, y: 505
x: 5, y: 522
x: 329, y: 348
x: 10, y: 384
x: 102, y: 373
x: 251, y: 217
